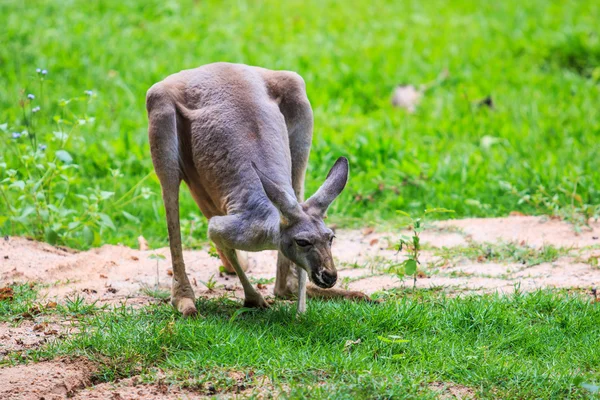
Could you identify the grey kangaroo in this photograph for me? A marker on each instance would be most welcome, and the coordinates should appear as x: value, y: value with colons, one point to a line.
x: 240, y: 137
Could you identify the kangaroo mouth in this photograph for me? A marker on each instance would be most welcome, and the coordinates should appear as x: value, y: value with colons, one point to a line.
x: 324, y: 279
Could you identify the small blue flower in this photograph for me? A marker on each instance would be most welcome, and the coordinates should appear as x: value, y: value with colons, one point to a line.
x: 16, y: 135
x: 44, y: 72
x: 42, y: 147
x: 30, y: 96
x: 89, y: 92
x: 35, y: 109
x: 38, y: 70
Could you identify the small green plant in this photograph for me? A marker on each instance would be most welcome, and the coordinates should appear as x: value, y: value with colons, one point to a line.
x: 212, y: 250
x: 345, y: 283
x: 159, y: 294
x: 211, y: 284
x: 565, y: 203
x: 412, y: 244
x: 158, y: 257
x: 261, y: 281
x: 77, y: 306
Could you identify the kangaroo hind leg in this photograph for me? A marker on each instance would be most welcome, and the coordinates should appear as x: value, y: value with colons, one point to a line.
x: 162, y: 134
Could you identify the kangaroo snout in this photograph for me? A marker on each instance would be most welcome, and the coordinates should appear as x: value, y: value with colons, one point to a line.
x: 325, y: 279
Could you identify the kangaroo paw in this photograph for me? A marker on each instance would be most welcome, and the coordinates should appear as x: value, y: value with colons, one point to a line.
x: 258, y: 302
x: 315, y: 292
x: 185, y: 306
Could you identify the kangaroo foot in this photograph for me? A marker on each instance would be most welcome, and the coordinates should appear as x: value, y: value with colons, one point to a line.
x: 185, y: 306
x: 315, y: 292
x: 256, y: 302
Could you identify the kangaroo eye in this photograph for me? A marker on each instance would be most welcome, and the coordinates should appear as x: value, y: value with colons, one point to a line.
x: 302, y: 243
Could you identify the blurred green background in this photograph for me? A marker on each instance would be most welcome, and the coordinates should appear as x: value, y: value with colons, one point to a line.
x: 535, y: 151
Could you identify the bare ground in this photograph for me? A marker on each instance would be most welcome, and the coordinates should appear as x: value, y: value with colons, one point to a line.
x: 118, y: 274
x: 113, y: 274
x: 48, y: 380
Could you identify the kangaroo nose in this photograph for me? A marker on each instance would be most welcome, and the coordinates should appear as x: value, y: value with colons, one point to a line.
x: 329, y: 278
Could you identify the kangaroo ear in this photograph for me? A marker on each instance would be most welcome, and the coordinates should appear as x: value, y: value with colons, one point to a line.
x: 331, y: 188
x: 285, y: 202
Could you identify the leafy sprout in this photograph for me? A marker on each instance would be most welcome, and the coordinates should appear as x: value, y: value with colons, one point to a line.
x: 412, y: 244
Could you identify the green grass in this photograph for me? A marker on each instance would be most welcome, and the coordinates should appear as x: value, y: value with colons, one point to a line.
x: 538, y: 60
x: 501, y: 252
x: 538, y: 345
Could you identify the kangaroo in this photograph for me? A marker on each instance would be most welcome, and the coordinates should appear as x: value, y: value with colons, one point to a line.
x: 240, y: 137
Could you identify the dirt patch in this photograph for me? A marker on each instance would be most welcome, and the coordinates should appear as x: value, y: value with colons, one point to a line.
x: 130, y: 388
x: 32, y: 334
x: 534, y: 231
x: 49, y: 380
x: 449, y: 390
x: 117, y: 274
x: 241, y: 385
x: 72, y: 378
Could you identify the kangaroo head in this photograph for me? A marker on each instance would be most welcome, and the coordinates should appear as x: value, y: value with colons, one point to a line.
x: 303, y: 236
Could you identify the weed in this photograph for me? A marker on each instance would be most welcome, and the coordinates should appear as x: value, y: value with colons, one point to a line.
x: 77, y: 306
x: 593, y: 261
x: 212, y: 250
x: 159, y: 294
x: 412, y: 244
x: 211, y: 284
x: 158, y: 257
x: 345, y: 283
x: 261, y: 281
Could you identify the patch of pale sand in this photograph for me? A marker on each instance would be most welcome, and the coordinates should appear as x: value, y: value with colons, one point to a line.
x: 589, y: 256
x: 32, y: 334
x: 561, y: 273
x: 111, y: 273
x: 130, y: 389
x: 500, y: 278
x: 381, y: 282
x: 449, y: 390
x: 490, y: 269
x: 72, y: 378
x: 358, y: 247
x: 116, y: 274
x: 387, y: 282
x: 50, y: 380
x: 535, y: 231
x: 355, y: 273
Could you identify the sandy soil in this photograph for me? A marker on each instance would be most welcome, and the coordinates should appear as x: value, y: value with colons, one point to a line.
x: 31, y: 334
x: 118, y: 274
x: 132, y: 388
x: 73, y: 378
x: 447, y: 391
x: 49, y: 380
